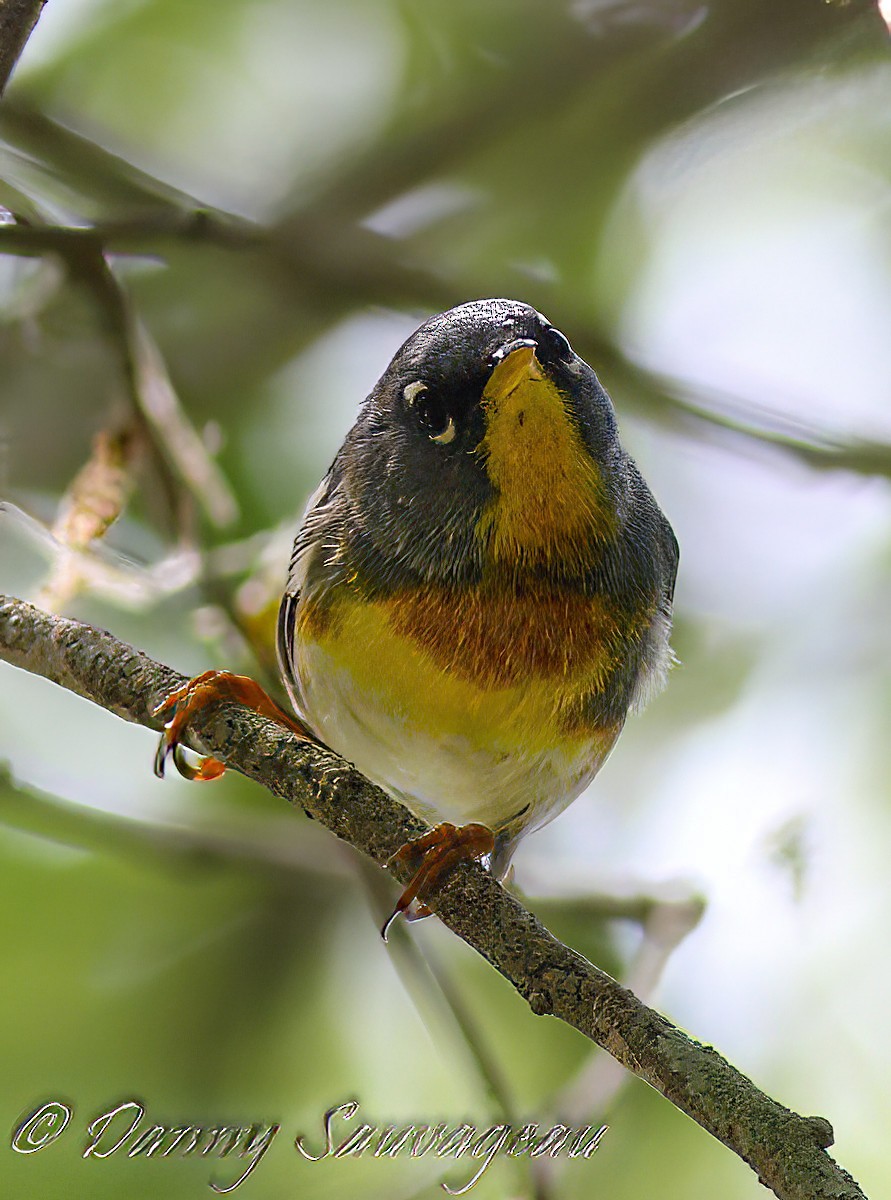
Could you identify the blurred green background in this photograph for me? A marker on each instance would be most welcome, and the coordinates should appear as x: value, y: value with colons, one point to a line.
x: 698, y: 194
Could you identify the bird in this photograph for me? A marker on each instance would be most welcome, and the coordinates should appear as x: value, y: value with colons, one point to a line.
x: 479, y: 594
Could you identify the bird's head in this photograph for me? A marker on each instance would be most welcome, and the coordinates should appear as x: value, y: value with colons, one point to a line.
x: 488, y: 446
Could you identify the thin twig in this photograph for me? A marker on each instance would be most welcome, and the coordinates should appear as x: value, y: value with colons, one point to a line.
x: 786, y: 1150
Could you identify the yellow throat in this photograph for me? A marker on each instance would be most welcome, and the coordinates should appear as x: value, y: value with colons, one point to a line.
x: 549, y: 503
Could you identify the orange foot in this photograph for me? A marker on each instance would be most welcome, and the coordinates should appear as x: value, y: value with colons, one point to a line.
x: 213, y: 687
x: 434, y: 856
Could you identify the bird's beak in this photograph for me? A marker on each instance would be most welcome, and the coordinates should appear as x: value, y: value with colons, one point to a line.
x: 515, y: 364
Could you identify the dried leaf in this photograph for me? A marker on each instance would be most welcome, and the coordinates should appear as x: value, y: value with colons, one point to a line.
x: 98, y: 492
x: 93, y: 502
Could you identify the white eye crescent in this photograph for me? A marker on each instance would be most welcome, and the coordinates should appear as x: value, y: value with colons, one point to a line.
x: 432, y: 416
x: 447, y: 435
x: 412, y: 390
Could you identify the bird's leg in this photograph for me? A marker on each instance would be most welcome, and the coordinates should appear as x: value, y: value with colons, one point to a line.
x: 434, y: 855
x: 213, y: 687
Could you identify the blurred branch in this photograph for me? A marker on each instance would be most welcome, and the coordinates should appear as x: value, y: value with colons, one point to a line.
x: 786, y: 1150
x: 362, y: 266
x: 418, y: 970
x: 642, y: 908
x: 104, y: 572
x: 740, y: 421
x: 588, y: 52
x: 17, y: 20
x: 104, y: 177
x: 250, y: 845
x: 187, y: 469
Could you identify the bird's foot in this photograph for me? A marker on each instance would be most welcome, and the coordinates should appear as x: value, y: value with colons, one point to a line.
x: 213, y: 687
x: 433, y: 856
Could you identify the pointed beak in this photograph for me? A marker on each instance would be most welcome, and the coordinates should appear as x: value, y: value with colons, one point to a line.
x: 515, y: 364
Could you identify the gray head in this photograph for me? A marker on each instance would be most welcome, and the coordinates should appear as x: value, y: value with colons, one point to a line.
x: 487, y: 438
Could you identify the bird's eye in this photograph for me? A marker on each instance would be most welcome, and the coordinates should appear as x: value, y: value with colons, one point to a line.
x: 431, y: 412
x: 554, y: 346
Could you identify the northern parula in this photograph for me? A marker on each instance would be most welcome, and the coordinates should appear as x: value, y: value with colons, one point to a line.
x: 481, y: 588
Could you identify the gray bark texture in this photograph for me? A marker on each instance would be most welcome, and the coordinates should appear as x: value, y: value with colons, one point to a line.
x: 17, y: 20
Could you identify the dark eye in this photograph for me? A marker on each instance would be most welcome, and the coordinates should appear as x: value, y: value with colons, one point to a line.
x: 553, y: 346
x: 431, y: 411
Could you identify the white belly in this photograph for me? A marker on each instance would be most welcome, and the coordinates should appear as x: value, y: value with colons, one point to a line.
x: 453, y: 774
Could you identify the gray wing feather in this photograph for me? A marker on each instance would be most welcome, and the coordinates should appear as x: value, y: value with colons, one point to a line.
x: 308, y: 537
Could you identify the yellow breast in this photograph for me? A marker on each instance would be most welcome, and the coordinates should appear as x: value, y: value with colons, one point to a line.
x: 502, y: 671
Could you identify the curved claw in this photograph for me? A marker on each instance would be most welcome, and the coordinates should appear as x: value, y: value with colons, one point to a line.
x: 415, y: 911
x: 437, y: 853
x: 385, y: 928
x: 213, y: 687
x: 165, y: 749
x: 203, y: 771
x: 180, y: 703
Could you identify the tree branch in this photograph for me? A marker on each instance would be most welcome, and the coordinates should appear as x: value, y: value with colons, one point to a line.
x: 17, y: 20
x: 786, y: 1150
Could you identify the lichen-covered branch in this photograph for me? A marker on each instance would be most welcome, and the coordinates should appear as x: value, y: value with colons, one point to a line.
x: 786, y: 1150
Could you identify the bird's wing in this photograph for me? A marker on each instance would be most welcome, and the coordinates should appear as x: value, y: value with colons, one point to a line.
x: 311, y: 532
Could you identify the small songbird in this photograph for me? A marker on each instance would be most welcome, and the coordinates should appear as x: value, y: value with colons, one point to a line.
x: 480, y: 590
